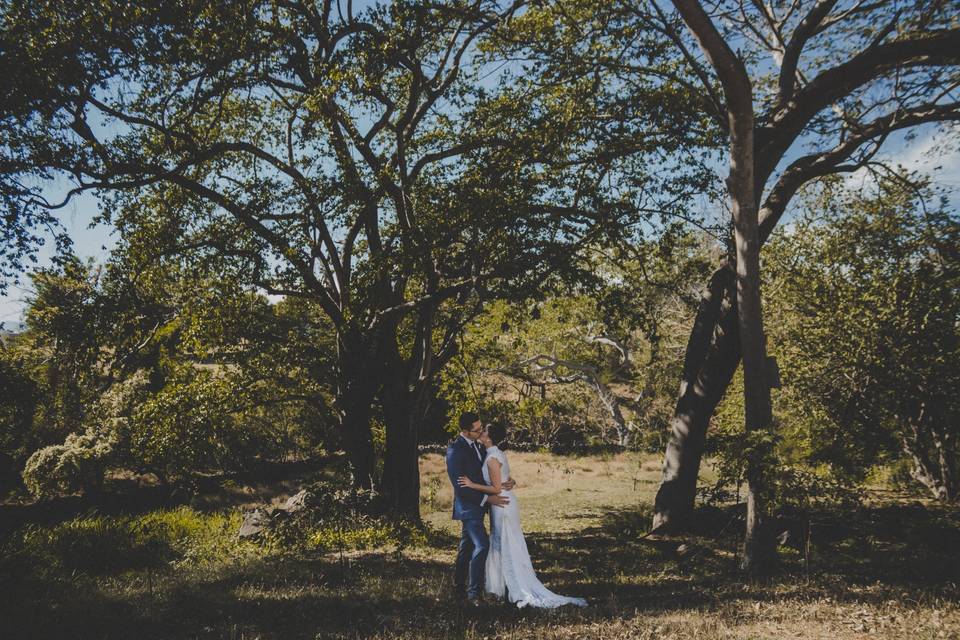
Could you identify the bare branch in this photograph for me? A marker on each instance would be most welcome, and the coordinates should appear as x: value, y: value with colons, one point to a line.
x: 939, y: 48
x: 815, y: 165
x: 791, y: 54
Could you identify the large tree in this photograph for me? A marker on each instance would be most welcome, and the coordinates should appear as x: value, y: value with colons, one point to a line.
x: 365, y: 162
x: 738, y: 96
x: 806, y: 90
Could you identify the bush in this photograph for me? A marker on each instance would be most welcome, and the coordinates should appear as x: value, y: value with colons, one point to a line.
x: 189, y: 426
x: 76, y: 465
x: 786, y: 487
x: 336, y: 519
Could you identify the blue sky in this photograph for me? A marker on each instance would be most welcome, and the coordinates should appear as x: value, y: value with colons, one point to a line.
x: 93, y: 242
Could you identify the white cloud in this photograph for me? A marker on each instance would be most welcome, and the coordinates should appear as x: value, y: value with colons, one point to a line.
x: 933, y: 152
x: 936, y: 153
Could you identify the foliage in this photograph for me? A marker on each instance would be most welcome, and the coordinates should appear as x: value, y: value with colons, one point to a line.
x: 337, y: 519
x: 17, y: 405
x: 62, y: 349
x: 785, y: 487
x: 588, y: 360
x: 793, y: 479
x: 863, y: 288
x: 867, y: 288
x: 136, y: 352
x: 98, y: 545
x: 78, y: 463
x: 190, y: 424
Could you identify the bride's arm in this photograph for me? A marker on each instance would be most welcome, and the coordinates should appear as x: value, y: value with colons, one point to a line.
x: 495, y: 485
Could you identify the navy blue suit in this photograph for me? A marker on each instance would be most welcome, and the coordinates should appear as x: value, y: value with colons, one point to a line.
x: 462, y: 460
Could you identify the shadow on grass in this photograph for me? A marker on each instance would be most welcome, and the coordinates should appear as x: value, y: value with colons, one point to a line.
x: 261, y: 483
x: 255, y: 594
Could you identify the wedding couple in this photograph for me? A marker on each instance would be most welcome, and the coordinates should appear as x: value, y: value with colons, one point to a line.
x: 500, y: 562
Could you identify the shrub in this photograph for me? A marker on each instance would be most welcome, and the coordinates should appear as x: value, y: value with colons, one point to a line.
x: 101, y: 545
x: 336, y: 519
x: 189, y: 426
x: 76, y: 465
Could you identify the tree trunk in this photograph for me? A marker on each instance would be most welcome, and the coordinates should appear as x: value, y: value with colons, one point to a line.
x: 947, y: 459
x: 403, y: 399
x: 712, y: 356
x: 355, y: 413
x: 356, y: 390
x: 610, y: 401
x: 758, y: 548
x: 940, y: 477
x: 405, y: 396
x: 400, y: 484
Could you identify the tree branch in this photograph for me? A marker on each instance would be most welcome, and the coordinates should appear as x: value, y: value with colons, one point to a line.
x: 815, y: 165
x: 791, y: 54
x: 786, y: 123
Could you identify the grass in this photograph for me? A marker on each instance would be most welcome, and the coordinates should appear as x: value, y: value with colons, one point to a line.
x: 889, y: 570
x: 557, y: 494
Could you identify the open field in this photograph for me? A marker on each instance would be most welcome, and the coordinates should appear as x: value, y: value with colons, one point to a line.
x: 558, y: 494
x: 890, y: 570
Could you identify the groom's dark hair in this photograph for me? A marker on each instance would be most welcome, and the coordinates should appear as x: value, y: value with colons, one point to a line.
x: 497, y: 433
x: 467, y: 418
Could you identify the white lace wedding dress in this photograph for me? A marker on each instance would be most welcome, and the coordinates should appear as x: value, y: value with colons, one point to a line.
x: 509, y: 570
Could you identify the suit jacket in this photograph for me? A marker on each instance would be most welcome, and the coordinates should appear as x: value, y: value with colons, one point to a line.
x: 462, y: 461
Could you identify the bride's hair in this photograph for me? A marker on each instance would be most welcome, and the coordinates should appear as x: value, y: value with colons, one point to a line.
x: 497, y: 433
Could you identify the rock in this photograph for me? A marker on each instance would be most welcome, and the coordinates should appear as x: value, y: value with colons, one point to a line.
x: 254, y: 522
x: 296, y: 502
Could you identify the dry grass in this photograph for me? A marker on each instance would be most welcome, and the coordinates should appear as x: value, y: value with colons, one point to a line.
x: 888, y: 571
x: 557, y: 494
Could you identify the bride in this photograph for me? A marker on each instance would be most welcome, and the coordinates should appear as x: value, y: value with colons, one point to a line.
x: 509, y: 570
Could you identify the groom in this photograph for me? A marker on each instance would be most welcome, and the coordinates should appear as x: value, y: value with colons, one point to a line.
x: 465, y: 458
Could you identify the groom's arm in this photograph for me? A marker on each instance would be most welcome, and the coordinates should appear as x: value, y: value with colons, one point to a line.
x: 457, y: 468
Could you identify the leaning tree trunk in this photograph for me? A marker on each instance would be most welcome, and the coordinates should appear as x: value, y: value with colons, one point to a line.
x: 712, y: 356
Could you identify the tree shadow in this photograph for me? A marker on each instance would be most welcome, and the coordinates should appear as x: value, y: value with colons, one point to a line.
x: 380, y: 594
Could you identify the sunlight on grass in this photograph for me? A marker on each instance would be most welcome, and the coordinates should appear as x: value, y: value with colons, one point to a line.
x: 556, y: 494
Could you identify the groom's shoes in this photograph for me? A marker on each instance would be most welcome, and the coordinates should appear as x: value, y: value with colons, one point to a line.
x: 474, y: 601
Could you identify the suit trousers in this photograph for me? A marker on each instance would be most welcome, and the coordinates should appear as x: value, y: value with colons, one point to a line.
x: 471, y: 558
